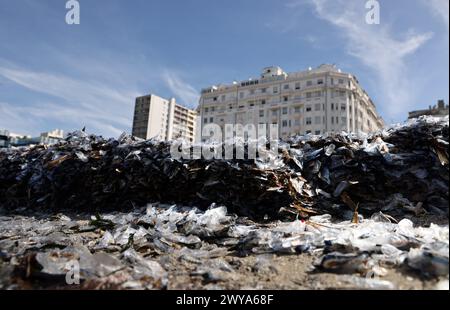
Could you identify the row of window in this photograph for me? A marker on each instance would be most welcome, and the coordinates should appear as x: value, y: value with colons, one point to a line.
x: 318, y: 120
x: 276, y: 89
x: 309, y: 95
x: 309, y: 108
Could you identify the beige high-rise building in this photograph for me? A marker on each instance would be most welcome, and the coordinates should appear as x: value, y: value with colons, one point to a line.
x: 316, y: 101
x: 155, y: 117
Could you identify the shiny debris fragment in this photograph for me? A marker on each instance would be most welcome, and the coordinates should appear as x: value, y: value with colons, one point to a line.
x: 400, y: 170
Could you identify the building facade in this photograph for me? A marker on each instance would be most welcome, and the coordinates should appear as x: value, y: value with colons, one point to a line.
x: 316, y: 101
x: 8, y: 139
x: 4, y: 139
x: 155, y: 117
x: 441, y: 109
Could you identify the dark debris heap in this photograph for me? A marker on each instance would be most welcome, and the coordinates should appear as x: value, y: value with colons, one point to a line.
x: 403, y: 169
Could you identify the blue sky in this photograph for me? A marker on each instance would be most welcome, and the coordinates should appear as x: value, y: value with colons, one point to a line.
x: 54, y: 75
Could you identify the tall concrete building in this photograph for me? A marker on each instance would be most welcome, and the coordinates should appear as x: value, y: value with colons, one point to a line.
x: 316, y: 101
x: 155, y: 117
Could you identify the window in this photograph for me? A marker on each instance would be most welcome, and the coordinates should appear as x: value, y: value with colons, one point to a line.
x: 317, y: 120
x: 308, y: 108
x: 343, y: 107
x: 341, y: 81
x: 263, y: 90
x: 309, y: 83
x: 252, y: 92
x: 224, y: 97
x: 285, y: 123
x: 263, y: 101
x: 285, y: 111
x: 286, y: 86
x: 297, y: 122
x: 318, y: 94
x: 308, y: 95
x: 337, y: 120
x: 317, y: 132
x: 241, y: 95
x: 342, y: 93
x: 320, y: 82
x: 332, y: 81
x: 308, y: 132
x: 297, y: 86
x: 297, y: 109
x: 215, y: 98
x: 275, y: 90
x: 261, y: 113
x: 285, y: 98
x: 332, y: 106
x: 274, y: 112
x: 332, y: 120
x: 343, y: 120
x: 211, y: 119
x: 317, y: 107
x: 308, y: 121
x: 205, y: 120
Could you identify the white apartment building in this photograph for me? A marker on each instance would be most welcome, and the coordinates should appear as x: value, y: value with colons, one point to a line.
x: 316, y: 101
x: 155, y: 117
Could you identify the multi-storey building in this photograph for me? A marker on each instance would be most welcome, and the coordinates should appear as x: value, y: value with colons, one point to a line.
x: 441, y: 109
x: 8, y: 139
x: 4, y: 139
x: 155, y: 117
x: 316, y: 101
x: 52, y: 137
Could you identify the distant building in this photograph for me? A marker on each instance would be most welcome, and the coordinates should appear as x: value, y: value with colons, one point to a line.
x: 4, y: 139
x: 155, y: 117
x: 438, y: 110
x: 51, y: 137
x: 315, y: 101
x: 8, y: 139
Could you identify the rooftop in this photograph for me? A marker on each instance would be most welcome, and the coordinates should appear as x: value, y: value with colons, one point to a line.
x: 274, y: 73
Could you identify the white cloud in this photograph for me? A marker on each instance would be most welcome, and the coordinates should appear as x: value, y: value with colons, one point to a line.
x: 103, y: 109
x: 184, y: 92
x: 377, y: 48
x: 441, y: 9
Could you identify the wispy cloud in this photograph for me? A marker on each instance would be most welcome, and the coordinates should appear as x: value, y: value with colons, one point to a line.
x: 102, y: 108
x: 376, y: 47
x: 185, y: 92
x: 441, y: 9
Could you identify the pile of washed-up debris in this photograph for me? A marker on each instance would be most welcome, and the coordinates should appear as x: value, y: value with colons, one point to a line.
x: 326, y: 212
x: 174, y: 247
x: 403, y: 169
